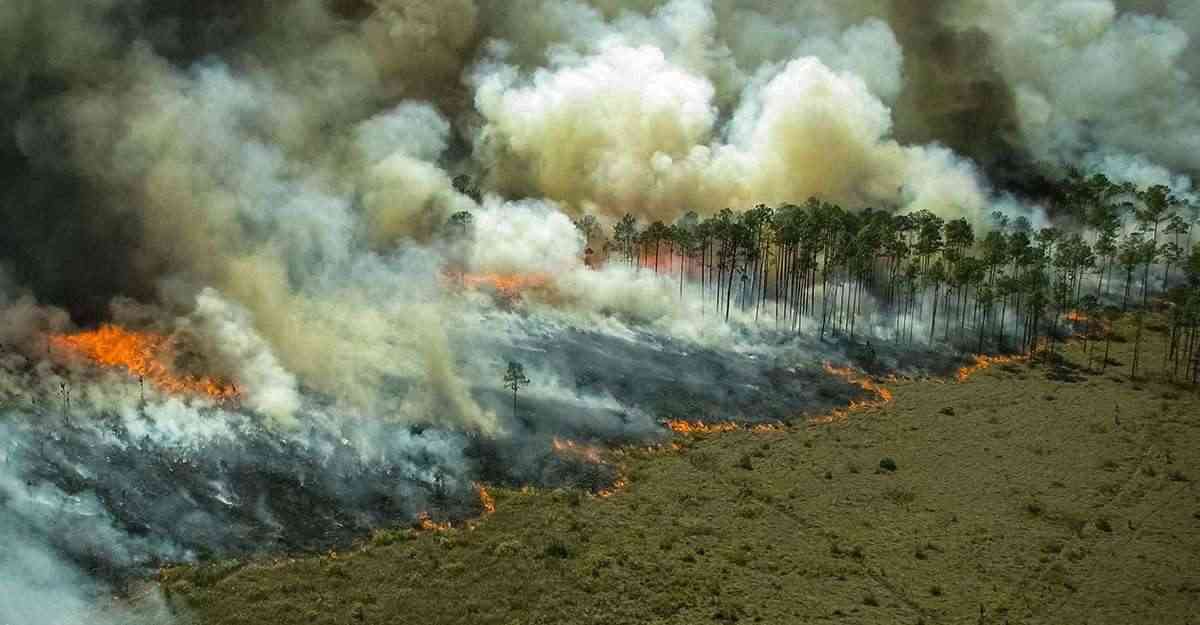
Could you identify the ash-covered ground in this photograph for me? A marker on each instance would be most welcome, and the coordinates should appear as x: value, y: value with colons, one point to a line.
x: 119, y: 486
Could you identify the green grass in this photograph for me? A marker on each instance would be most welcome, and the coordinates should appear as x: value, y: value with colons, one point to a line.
x: 1066, y: 518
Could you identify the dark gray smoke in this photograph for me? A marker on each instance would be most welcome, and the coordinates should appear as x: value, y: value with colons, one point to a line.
x: 273, y: 186
x: 955, y: 95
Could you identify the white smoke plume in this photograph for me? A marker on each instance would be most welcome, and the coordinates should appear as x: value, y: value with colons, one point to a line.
x: 303, y: 191
x: 1093, y: 81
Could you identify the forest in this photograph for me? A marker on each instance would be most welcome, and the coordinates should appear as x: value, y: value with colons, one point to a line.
x: 1008, y: 286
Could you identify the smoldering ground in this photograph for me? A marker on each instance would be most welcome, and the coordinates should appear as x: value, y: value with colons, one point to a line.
x: 270, y: 185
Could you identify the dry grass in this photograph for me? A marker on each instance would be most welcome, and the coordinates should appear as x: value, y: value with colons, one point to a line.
x: 1065, y: 518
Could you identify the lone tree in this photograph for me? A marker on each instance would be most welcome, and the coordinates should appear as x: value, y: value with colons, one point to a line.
x: 514, y: 379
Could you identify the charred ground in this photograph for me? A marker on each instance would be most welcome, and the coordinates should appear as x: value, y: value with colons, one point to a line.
x: 1030, y: 493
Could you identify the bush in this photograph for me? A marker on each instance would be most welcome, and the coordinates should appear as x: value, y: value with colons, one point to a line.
x: 888, y: 464
x: 385, y: 537
x: 557, y: 549
x: 745, y: 462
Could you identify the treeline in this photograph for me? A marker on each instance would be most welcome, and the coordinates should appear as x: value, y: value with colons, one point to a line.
x: 1008, y: 289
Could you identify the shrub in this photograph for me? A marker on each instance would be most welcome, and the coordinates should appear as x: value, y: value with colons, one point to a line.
x: 888, y: 464
x: 385, y: 537
x: 557, y: 549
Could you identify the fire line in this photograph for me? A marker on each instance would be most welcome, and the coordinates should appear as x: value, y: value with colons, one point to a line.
x: 144, y: 355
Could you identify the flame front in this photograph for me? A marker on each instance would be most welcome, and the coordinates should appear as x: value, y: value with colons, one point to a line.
x: 486, y: 502
x: 883, y: 396
x: 680, y: 426
x: 1076, y: 316
x: 508, y: 285
x: 986, y: 362
x: 141, y: 354
x: 425, y: 523
x: 587, y: 453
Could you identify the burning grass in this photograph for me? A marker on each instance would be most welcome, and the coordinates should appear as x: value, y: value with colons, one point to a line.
x: 983, y: 363
x: 145, y: 355
x: 699, y: 427
x: 573, y: 450
x: 486, y: 502
x: 881, y: 395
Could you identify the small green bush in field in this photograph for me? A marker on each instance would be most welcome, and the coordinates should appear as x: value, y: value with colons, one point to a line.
x: 557, y: 549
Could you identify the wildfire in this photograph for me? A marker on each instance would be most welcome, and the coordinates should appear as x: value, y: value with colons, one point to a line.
x: 985, y: 362
x: 1090, y: 326
x: 619, y: 485
x: 680, y: 426
x: 145, y: 355
x: 882, y: 395
x: 572, y: 449
x: 1076, y: 316
x: 486, y: 501
x: 426, y: 524
x: 768, y: 428
x: 508, y: 285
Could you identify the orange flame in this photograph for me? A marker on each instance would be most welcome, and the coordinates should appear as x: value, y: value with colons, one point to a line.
x: 426, y: 524
x: 507, y: 285
x: 486, y: 501
x: 883, y: 396
x: 572, y: 449
x: 985, y: 362
x: 617, y: 486
x: 680, y: 426
x: 142, y: 354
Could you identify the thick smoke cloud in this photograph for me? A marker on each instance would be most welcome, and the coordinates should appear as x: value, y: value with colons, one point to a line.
x: 1096, y: 84
x: 279, y: 187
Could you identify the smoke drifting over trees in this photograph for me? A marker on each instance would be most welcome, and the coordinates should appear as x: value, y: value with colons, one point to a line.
x: 303, y: 197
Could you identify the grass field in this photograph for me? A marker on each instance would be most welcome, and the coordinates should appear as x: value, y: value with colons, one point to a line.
x: 1026, y: 494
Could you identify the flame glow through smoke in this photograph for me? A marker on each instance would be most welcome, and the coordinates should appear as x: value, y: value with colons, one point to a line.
x: 281, y: 183
x: 505, y: 285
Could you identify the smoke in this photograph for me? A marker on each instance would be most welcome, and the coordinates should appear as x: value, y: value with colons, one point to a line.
x: 801, y: 130
x: 278, y: 188
x: 269, y: 388
x: 1093, y: 80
